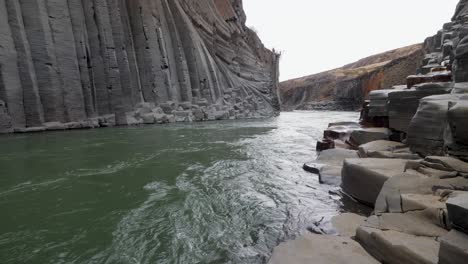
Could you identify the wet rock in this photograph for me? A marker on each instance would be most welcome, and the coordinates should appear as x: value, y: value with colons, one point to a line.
x: 329, y: 164
x: 340, y: 130
x: 320, y: 249
x: 457, y: 206
x: 363, y: 178
x: 454, y: 248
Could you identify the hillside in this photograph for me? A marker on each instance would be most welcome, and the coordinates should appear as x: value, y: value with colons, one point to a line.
x: 348, y: 86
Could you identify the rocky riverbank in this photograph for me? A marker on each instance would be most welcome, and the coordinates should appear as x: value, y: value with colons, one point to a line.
x: 407, y: 158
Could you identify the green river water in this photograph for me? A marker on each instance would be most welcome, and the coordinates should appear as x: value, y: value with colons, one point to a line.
x: 214, y: 192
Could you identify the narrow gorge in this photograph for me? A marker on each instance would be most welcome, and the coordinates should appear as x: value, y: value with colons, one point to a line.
x: 82, y: 64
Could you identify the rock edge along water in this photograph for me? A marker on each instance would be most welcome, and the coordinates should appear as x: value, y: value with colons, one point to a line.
x: 82, y: 64
x: 412, y: 166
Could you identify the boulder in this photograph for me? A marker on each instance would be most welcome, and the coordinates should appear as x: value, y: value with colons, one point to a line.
x: 457, y: 207
x: 363, y: 178
x: 183, y: 116
x: 321, y: 249
x: 149, y: 118
x: 365, y: 135
x: 454, y: 248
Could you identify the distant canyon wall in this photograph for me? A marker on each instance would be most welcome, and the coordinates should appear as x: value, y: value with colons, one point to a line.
x: 347, y: 87
x: 89, y: 63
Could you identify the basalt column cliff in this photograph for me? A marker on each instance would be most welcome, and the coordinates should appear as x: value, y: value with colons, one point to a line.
x: 90, y: 63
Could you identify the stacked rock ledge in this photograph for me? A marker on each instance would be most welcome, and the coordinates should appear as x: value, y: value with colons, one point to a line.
x: 407, y: 159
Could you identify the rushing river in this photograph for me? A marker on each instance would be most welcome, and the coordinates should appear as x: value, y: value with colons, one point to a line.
x: 214, y: 192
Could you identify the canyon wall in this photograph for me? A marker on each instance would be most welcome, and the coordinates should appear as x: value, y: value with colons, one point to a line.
x: 347, y: 87
x: 90, y: 63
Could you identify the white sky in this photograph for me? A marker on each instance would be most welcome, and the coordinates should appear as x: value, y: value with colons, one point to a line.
x: 315, y: 36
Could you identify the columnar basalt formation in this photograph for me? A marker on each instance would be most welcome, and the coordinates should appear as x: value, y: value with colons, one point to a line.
x: 89, y: 63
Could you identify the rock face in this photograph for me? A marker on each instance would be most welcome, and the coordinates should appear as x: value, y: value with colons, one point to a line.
x: 347, y: 87
x: 70, y: 61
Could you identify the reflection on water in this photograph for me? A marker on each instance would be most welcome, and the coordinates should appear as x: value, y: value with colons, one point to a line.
x: 220, y: 192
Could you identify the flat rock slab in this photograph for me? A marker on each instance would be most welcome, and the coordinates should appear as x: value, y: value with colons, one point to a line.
x: 454, y: 248
x: 362, y: 136
x: 347, y: 223
x: 395, y: 189
x: 457, y: 206
x: 379, y: 148
x: 321, y: 249
x: 363, y: 178
x: 393, y: 247
x: 329, y: 164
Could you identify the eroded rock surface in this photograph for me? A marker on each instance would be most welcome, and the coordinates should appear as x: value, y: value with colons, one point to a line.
x: 70, y: 61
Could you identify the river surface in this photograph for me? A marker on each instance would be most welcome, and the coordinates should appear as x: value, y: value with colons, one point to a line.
x: 214, y: 192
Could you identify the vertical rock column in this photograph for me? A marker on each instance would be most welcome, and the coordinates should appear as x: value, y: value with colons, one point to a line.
x: 78, y: 21
x: 67, y: 59
x: 11, y: 91
x: 126, y: 80
x: 36, y: 23
x: 31, y: 100
x: 180, y: 63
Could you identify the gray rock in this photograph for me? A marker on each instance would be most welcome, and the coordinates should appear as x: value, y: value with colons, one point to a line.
x: 453, y: 248
x: 321, y: 249
x: 363, y: 178
x: 403, y: 104
x: 366, y: 135
x: 346, y: 224
x: 71, y: 61
x: 393, y: 247
x: 368, y: 149
x: 426, y: 131
x: 329, y: 164
x: 457, y: 206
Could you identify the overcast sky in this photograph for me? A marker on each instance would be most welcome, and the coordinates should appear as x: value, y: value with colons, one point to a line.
x: 315, y: 36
